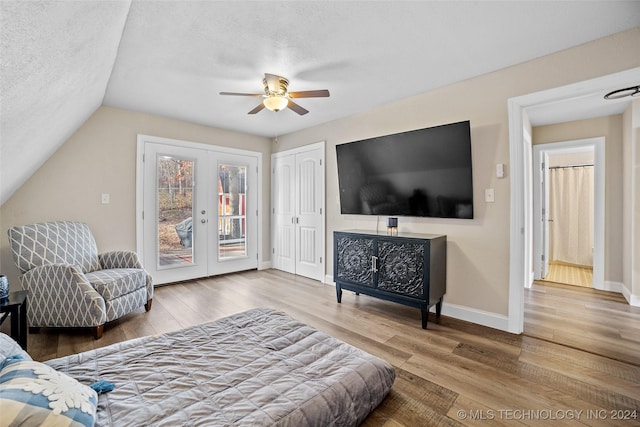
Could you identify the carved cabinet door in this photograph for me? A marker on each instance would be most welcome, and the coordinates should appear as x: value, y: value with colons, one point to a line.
x: 401, y: 266
x: 354, y: 260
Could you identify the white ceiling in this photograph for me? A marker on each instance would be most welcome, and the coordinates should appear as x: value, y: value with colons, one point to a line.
x: 61, y: 60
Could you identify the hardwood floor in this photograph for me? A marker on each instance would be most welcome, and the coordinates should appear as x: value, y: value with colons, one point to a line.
x: 578, y: 362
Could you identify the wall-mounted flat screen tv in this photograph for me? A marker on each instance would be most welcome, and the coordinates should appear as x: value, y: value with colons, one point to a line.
x: 421, y: 173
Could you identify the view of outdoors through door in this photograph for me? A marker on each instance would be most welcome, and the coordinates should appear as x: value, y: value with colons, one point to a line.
x: 175, y: 210
x: 232, y: 211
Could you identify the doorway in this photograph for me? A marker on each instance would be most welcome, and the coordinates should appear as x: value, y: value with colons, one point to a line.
x: 565, y: 98
x: 198, y: 209
x: 568, y: 232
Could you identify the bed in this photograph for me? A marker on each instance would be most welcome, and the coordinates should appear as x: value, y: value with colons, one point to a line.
x: 255, y: 368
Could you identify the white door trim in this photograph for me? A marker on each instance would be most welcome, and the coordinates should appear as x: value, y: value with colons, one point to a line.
x: 142, y: 139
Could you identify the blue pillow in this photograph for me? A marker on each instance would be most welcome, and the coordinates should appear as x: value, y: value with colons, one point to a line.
x: 32, y: 393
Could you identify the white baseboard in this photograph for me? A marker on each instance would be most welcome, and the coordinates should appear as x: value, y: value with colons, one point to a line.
x: 612, y: 286
x: 633, y: 300
x: 484, y: 318
x: 264, y: 265
x: 473, y: 315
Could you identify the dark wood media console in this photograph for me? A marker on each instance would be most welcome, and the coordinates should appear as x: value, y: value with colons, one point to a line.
x: 409, y: 269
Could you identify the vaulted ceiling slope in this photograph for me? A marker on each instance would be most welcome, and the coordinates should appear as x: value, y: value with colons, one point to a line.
x: 61, y: 60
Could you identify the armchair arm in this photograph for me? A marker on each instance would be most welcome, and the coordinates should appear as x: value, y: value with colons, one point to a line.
x: 60, y: 295
x: 119, y: 259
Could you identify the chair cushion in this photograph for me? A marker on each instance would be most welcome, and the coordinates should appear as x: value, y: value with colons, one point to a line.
x: 116, y: 282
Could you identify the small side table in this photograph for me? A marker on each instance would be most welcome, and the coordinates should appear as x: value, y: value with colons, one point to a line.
x: 16, y: 305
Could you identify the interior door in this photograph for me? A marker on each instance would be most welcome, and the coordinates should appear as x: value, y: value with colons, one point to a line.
x: 309, y: 219
x: 540, y: 209
x: 544, y: 267
x: 283, y: 213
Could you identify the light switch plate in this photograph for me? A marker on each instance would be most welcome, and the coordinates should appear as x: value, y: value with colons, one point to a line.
x: 489, y: 195
x: 106, y: 198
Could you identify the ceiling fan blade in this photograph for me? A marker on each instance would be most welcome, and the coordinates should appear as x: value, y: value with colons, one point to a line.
x: 322, y: 93
x: 257, y: 109
x: 298, y: 109
x: 241, y: 94
x: 273, y: 82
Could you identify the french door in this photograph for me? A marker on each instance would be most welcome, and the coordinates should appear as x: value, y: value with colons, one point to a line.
x: 199, y: 211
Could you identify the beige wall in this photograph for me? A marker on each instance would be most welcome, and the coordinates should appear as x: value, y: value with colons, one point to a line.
x: 478, y: 249
x: 611, y: 128
x: 101, y: 158
x: 571, y: 159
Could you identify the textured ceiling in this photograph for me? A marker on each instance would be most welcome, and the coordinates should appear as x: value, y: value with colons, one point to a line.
x: 62, y: 60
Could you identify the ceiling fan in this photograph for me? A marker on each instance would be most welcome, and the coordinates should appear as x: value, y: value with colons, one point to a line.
x: 277, y: 97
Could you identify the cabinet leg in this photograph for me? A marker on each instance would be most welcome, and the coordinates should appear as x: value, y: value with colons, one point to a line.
x: 339, y: 293
x: 424, y: 313
x: 439, y: 308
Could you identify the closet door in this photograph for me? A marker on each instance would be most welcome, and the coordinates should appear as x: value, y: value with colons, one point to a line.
x: 283, y: 254
x: 309, y: 230
x: 297, y: 211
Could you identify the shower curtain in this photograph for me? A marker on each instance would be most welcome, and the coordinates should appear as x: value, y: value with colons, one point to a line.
x: 571, y: 212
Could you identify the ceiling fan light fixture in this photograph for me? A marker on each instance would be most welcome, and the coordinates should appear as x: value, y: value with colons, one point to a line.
x: 275, y: 103
x: 276, y: 96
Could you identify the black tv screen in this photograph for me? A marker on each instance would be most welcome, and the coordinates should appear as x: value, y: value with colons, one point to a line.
x: 421, y: 173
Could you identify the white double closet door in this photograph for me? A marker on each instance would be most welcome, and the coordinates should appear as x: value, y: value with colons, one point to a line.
x: 199, y: 209
x: 297, y: 223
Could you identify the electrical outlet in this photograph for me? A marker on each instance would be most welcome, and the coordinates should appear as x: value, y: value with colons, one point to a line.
x: 106, y: 198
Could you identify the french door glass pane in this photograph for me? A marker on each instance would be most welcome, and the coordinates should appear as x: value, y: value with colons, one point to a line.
x: 232, y: 205
x: 175, y: 211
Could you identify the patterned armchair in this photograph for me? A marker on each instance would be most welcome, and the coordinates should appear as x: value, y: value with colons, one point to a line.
x: 70, y: 284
